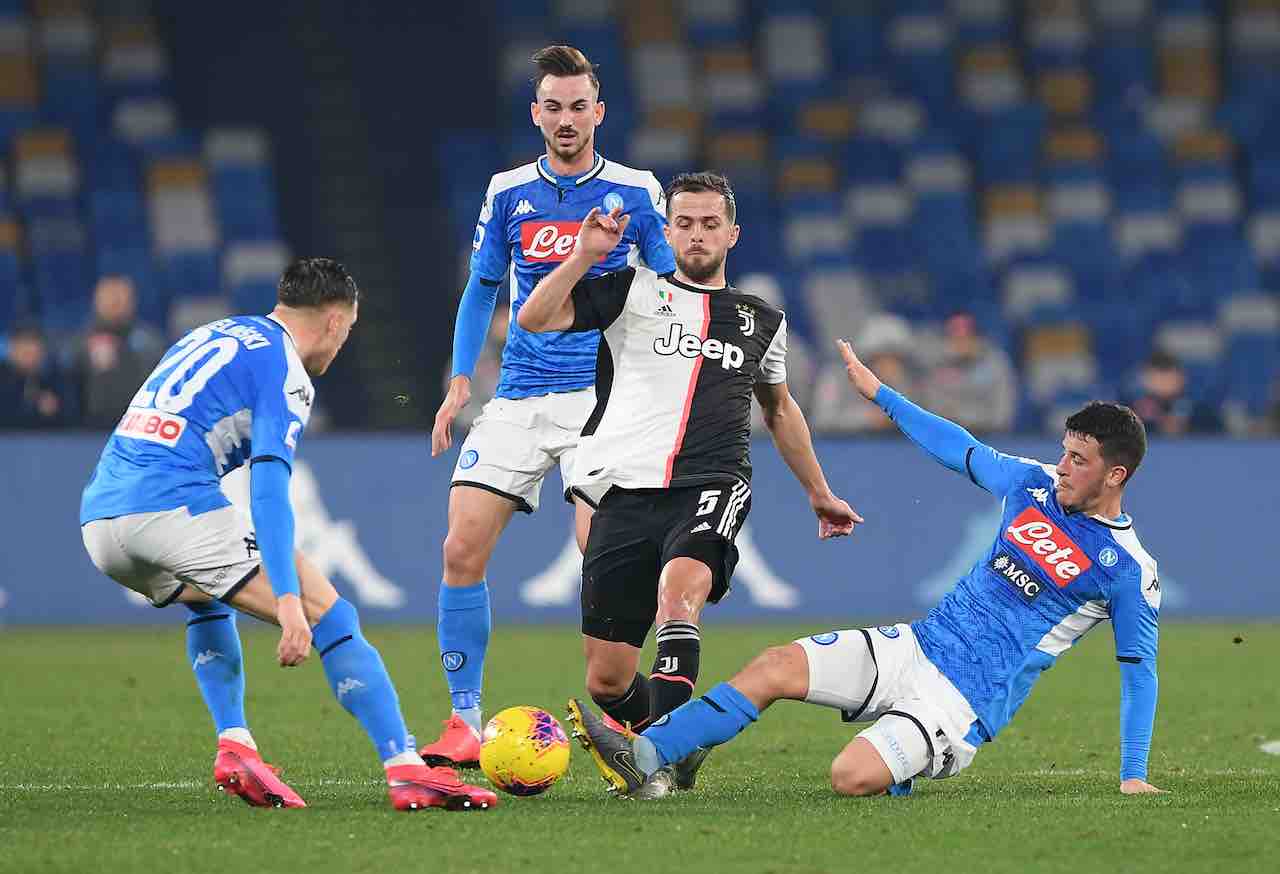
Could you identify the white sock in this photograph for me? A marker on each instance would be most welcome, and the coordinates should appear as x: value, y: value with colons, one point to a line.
x: 408, y: 757
x: 471, y: 716
x: 238, y: 735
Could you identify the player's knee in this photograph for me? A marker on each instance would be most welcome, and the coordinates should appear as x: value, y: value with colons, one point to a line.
x: 682, y: 596
x: 848, y: 779
x: 776, y: 671
x: 464, y: 555
x: 607, y: 682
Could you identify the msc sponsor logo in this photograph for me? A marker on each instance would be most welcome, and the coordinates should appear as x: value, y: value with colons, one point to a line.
x: 1040, y: 540
x: 548, y: 241
x: 731, y: 357
x: 1016, y: 575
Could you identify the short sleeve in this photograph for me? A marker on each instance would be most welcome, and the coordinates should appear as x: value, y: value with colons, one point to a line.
x: 599, y: 300
x: 283, y: 405
x: 1135, y: 612
x: 650, y: 219
x: 773, y: 366
x: 490, y: 255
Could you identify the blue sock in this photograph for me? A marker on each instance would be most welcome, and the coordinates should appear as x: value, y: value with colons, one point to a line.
x: 359, y: 680
x: 716, y: 717
x: 463, y: 629
x: 213, y: 646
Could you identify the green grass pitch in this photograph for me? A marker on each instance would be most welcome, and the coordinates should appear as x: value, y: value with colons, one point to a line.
x: 106, y: 753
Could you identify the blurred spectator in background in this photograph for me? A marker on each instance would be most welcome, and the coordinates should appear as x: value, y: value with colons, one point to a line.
x: 114, y: 355
x: 971, y: 381
x: 1160, y: 398
x: 887, y: 340
x: 31, y: 394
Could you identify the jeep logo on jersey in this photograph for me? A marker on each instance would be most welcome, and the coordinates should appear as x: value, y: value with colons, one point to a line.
x: 731, y: 357
x: 1008, y: 568
x: 548, y: 241
x: 1042, y: 542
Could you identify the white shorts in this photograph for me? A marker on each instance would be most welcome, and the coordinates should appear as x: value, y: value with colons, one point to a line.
x: 921, y: 721
x: 514, y: 442
x: 156, y: 554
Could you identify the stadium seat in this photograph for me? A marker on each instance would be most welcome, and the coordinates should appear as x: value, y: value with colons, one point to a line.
x: 1251, y: 325
x: 251, y: 272
x: 1198, y: 345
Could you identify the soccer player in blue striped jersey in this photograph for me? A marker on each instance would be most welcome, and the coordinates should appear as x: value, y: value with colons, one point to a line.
x: 1066, y: 558
x: 528, y: 223
x: 153, y: 517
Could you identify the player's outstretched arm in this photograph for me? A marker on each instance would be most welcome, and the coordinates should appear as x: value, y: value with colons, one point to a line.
x: 475, y: 312
x: 949, y: 444
x: 786, y: 422
x: 1138, y: 692
x: 550, y: 306
x: 274, y: 530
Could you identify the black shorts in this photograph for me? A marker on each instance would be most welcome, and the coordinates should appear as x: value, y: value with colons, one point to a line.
x: 635, y: 532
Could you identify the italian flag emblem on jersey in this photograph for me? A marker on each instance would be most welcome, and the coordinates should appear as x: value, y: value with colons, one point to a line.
x: 665, y: 296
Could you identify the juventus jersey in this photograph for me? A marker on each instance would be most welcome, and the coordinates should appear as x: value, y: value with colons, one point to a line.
x: 674, y: 376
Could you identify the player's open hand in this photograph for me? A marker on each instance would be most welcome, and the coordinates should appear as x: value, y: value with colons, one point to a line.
x: 295, y: 633
x: 1134, y: 786
x: 601, y: 232
x: 835, y: 517
x: 866, y: 382
x: 454, y: 402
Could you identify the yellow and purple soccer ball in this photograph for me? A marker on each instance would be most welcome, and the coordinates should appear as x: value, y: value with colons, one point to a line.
x: 524, y: 751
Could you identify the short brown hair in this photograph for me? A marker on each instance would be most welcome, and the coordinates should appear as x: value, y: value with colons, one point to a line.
x: 562, y: 61
x: 704, y: 181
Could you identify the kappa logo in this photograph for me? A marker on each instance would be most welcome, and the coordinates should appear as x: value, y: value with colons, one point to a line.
x: 303, y: 395
x: 524, y: 207
x: 1040, y: 540
x: 350, y: 684
x: 1041, y: 495
x: 748, y: 316
x: 251, y: 544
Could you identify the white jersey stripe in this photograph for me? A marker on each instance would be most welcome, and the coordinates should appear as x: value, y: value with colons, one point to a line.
x: 1072, y: 627
x: 689, y: 392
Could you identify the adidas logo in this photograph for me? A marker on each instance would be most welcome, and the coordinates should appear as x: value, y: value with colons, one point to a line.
x: 703, y: 527
x: 524, y: 207
x: 665, y: 310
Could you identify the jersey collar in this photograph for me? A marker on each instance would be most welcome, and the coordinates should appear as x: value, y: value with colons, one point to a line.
x: 544, y: 170
x: 1120, y: 523
x: 700, y: 289
x: 283, y: 327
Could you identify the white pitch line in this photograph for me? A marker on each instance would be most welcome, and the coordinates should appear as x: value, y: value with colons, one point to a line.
x: 1271, y: 747
x: 179, y: 784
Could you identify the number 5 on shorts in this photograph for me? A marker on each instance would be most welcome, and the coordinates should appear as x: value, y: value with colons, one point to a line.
x: 707, y: 502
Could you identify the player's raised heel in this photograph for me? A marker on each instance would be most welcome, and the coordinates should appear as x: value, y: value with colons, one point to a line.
x: 610, y: 750
x: 685, y: 772
x: 457, y: 747
x: 417, y: 787
x: 239, y: 770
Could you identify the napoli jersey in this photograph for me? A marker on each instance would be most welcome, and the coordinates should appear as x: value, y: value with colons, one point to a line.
x: 1049, y: 577
x: 528, y: 225
x: 226, y: 393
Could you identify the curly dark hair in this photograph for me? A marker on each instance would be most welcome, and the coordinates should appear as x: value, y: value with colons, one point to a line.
x: 314, y: 282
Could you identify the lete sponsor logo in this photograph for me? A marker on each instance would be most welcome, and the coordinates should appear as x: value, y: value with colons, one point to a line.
x: 548, y: 241
x: 1041, y: 541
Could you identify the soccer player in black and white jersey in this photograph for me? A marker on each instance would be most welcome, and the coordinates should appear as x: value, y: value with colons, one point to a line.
x: 666, y: 453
